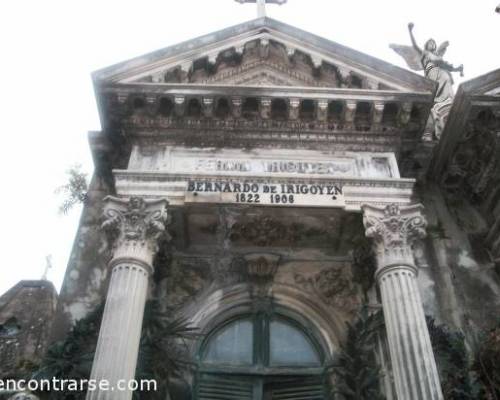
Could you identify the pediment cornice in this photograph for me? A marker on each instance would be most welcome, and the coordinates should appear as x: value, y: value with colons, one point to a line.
x: 308, y: 53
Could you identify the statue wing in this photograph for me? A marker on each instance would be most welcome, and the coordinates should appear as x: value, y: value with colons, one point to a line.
x: 411, y: 56
x: 442, y: 49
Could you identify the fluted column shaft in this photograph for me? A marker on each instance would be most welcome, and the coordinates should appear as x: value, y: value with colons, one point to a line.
x: 394, y: 230
x: 133, y: 227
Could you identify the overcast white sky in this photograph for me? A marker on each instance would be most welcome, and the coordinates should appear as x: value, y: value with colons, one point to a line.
x: 49, y: 48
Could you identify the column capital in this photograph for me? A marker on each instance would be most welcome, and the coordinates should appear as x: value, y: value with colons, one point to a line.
x: 394, y: 229
x: 133, y: 226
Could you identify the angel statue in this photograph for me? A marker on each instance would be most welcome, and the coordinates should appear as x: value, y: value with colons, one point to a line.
x: 430, y: 59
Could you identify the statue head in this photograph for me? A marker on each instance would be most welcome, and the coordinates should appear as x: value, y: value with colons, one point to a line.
x: 431, y: 45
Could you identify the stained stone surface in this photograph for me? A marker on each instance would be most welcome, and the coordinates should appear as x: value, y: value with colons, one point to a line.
x: 208, y: 239
x: 267, y: 104
x: 27, y: 312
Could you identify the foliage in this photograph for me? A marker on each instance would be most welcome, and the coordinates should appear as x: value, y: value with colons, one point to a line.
x: 24, y: 368
x: 75, y: 190
x: 72, y: 358
x: 452, y: 362
x: 364, y: 265
x: 160, y: 355
x: 356, y: 370
x: 487, y: 365
x: 163, y: 355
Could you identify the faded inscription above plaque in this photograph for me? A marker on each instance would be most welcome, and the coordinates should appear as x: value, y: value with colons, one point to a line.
x: 263, y: 162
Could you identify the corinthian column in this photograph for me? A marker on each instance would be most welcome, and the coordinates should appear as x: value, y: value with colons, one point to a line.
x: 133, y: 227
x: 394, y: 230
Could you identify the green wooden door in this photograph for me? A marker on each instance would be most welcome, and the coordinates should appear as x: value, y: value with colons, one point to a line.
x: 230, y: 387
x: 304, y: 388
x: 223, y: 387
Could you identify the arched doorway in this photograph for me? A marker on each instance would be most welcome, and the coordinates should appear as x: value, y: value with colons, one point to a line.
x: 260, y: 356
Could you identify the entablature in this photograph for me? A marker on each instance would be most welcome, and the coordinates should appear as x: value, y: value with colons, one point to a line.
x: 342, y: 116
x: 348, y: 193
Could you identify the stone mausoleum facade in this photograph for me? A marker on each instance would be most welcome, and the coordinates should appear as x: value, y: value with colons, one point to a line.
x: 266, y: 184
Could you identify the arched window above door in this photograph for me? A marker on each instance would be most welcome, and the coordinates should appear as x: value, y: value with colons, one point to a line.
x: 263, y: 340
x: 232, y: 344
x: 260, y: 357
x: 289, y: 346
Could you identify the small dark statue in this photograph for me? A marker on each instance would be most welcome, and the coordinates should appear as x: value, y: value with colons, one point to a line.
x: 430, y: 60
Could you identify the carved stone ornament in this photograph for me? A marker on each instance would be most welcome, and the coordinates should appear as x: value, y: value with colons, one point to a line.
x: 394, y: 230
x: 261, y: 269
x: 333, y: 285
x: 133, y: 227
x: 260, y: 231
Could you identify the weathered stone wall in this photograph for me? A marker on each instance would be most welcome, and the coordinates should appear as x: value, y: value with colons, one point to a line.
x: 26, y: 314
x: 85, y: 282
x: 228, y: 258
x: 458, y: 282
x: 460, y: 285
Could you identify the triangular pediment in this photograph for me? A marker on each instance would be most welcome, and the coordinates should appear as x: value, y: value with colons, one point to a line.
x: 483, y: 85
x: 264, y: 52
x: 494, y: 92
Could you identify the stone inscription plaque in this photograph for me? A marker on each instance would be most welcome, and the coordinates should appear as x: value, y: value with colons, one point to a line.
x: 273, y: 166
x: 265, y: 194
x: 263, y: 162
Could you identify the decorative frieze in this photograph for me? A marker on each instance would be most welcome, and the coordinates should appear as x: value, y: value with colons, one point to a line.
x: 180, y: 105
x: 317, y: 61
x: 294, y: 107
x: 274, y: 117
x: 265, y: 108
x: 208, y: 107
x: 322, y: 110
x: 378, y: 112
x: 350, y: 111
x: 290, y: 51
x: 345, y: 75
x: 240, y: 49
x: 236, y: 106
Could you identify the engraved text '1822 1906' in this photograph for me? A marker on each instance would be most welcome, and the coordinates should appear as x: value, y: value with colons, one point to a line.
x: 274, y: 194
